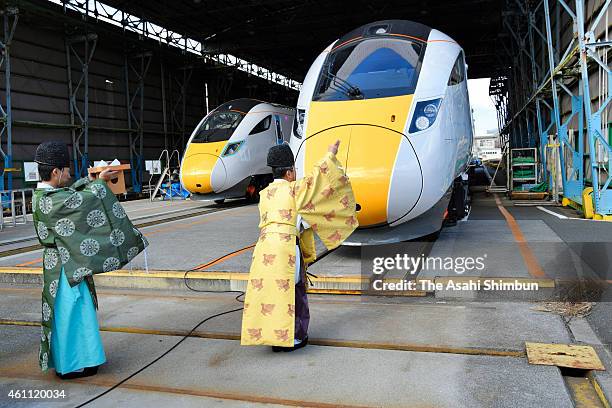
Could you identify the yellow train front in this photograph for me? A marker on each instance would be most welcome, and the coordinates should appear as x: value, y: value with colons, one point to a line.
x: 226, y: 153
x: 395, y: 93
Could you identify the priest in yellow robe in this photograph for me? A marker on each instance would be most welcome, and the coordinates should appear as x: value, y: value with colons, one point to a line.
x: 291, y: 211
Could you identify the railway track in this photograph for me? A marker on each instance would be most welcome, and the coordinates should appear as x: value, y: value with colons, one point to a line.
x: 34, y: 245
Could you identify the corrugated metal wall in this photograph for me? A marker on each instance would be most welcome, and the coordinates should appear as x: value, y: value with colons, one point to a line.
x: 39, y: 82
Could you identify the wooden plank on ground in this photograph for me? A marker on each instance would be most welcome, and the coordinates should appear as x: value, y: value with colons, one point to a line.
x: 563, y: 355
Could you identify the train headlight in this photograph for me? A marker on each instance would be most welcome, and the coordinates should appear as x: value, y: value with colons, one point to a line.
x: 425, y: 114
x: 232, y: 148
x: 422, y: 123
x: 298, y: 123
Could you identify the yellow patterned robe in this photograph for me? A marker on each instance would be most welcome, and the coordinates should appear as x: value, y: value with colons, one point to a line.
x: 325, y: 200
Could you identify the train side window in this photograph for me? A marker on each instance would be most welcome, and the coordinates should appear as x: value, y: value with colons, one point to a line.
x: 452, y: 80
x: 461, y: 67
x: 262, y: 126
x: 458, y: 72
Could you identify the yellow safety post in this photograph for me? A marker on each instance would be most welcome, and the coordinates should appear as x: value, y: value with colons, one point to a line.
x: 587, y: 202
x: 602, y: 217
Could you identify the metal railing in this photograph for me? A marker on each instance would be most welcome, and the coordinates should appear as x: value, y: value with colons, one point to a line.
x: 166, y: 172
x: 13, y: 206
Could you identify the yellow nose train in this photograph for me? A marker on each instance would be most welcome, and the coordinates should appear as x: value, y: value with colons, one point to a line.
x: 395, y: 93
x: 226, y: 153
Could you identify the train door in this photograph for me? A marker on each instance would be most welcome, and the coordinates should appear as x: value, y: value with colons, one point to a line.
x: 455, y: 106
x: 287, y: 124
x: 279, y: 130
x: 260, y: 139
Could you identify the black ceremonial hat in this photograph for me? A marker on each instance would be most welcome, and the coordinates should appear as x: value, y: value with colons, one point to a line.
x: 280, y: 156
x: 53, y: 154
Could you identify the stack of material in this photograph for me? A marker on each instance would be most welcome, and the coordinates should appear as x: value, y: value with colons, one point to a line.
x: 528, y: 195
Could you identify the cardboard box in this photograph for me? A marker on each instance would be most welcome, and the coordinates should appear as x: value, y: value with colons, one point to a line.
x: 117, y: 185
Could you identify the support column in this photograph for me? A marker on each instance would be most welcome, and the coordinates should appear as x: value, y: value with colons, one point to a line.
x: 10, y: 18
x: 555, y: 96
x: 534, y: 75
x: 79, y: 113
x: 138, y: 65
x: 163, y: 96
x: 599, y: 148
x: 178, y: 113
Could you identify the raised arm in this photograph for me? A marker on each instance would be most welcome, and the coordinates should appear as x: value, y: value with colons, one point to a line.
x: 325, y: 200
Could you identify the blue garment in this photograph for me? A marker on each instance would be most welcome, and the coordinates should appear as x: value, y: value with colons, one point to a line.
x: 75, y: 337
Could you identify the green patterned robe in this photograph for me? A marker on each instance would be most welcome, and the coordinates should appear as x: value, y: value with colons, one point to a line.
x: 85, y: 230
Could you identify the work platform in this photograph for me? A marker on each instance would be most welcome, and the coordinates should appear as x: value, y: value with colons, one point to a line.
x: 435, y: 348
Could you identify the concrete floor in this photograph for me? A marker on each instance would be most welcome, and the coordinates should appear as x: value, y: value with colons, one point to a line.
x: 312, y: 377
x: 136, y: 210
x: 167, y: 248
x: 563, y: 247
x: 366, y: 355
x: 436, y: 351
x: 421, y: 322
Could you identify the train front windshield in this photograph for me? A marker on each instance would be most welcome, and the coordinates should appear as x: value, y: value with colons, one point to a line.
x: 218, y: 127
x: 370, y: 68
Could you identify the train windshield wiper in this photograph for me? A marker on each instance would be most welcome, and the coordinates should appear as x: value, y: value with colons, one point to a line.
x: 343, y: 85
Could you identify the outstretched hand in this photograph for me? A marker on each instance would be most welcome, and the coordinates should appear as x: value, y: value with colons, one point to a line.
x: 334, y: 148
x: 108, y: 174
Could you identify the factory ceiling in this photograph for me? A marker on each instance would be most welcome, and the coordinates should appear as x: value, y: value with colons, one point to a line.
x: 286, y: 36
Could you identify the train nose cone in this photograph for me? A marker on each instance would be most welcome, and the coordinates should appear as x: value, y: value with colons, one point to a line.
x: 382, y: 166
x: 203, y: 173
x: 406, y: 184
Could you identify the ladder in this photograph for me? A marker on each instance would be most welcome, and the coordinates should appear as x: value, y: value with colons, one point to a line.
x: 166, y: 172
x: 493, y: 188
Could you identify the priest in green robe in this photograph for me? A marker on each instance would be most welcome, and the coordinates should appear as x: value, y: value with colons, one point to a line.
x: 84, y: 231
